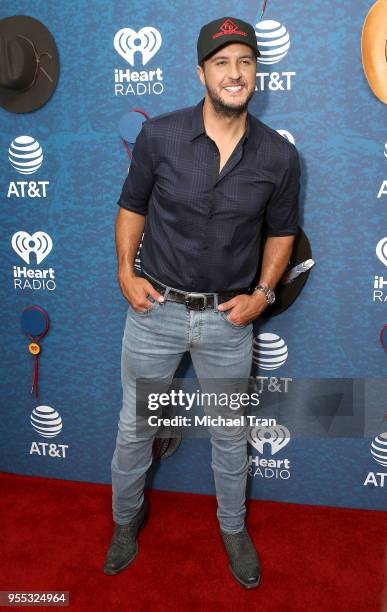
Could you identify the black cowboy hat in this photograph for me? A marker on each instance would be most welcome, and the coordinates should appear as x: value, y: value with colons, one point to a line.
x: 294, y: 277
x: 29, y: 64
x: 167, y: 442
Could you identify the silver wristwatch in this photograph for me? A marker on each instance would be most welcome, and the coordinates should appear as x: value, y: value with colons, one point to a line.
x: 269, y: 293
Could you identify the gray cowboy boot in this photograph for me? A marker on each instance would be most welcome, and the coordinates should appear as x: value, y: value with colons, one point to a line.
x: 243, y: 558
x: 123, y: 548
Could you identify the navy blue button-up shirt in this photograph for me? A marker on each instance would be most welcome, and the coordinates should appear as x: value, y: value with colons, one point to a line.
x: 203, y: 229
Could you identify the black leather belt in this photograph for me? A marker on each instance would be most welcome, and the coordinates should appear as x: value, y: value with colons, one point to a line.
x: 193, y: 300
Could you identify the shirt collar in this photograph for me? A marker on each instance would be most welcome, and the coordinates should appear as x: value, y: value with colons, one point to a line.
x: 198, y: 123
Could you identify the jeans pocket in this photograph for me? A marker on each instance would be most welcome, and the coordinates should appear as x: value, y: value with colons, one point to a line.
x: 225, y: 317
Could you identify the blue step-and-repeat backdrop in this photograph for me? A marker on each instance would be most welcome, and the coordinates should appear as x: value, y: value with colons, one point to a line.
x: 328, y: 391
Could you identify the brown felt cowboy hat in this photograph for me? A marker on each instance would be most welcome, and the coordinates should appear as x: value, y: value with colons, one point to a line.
x: 29, y: 64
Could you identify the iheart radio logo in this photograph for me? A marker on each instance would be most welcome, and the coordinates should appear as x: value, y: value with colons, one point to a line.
x: 277, y: 437
x: 39, y: 243
x: 381, y: 250
x: 147, y: 41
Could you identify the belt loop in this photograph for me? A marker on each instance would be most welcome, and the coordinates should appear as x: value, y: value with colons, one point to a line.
x: 216, y: 302
x: 166, y: 292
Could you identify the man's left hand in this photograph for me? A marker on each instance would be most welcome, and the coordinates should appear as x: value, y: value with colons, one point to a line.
x: 244, y: 308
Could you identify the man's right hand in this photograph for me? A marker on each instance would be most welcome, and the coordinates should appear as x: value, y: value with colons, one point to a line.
x: 136, y: 289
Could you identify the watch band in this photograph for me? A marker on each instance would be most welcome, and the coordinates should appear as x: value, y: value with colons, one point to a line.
x: 268, y: 293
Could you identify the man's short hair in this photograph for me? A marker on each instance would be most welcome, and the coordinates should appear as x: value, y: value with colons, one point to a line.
x: 201, y: 64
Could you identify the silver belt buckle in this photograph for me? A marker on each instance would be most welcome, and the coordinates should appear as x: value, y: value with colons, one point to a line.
x: 195, y: 296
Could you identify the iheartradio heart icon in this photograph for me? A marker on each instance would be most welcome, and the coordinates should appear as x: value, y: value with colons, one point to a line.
x: 381, y: 250
x: 277, y: 437
x: 147, y: 40
x: 39, y: 243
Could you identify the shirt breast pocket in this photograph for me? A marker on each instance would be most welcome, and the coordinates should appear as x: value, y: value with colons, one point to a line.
x: 248, y: 193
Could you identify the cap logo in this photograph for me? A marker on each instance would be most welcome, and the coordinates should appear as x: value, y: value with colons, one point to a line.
x: 228, y: 27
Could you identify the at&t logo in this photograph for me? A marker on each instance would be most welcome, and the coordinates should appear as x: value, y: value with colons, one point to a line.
x: 383, y: 190
x: 269, y: 351
x: 47, y: 422
x: 383, y: 187
x: 26, y: 157
x: 135, y: 46
x: 268, y: 440
x: 378, y: 451
x: 273, y: 42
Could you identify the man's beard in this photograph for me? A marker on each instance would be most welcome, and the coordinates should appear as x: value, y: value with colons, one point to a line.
x: 227, y: 110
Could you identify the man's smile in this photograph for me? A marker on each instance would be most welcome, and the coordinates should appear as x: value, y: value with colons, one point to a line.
x: 234, y: 89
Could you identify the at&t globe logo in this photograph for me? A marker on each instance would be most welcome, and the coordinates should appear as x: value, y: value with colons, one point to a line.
x: 378, y: 451
x: 25, y: 154
x: 46, y: 421
x: 273, y: 41
x: 269, y: 351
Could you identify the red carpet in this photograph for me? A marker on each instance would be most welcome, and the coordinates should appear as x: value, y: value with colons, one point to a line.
x: 315, y: 559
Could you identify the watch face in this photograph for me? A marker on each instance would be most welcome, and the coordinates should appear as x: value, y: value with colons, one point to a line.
x: 268, y: 293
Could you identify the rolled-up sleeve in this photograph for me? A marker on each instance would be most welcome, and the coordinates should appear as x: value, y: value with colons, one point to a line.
x: 282, y: 210
x: 139, y: 181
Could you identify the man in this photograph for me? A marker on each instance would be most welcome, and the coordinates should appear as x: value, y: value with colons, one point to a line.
x: 202, y: 182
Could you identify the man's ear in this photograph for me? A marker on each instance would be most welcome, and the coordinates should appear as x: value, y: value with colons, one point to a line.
x: 200, y: 72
